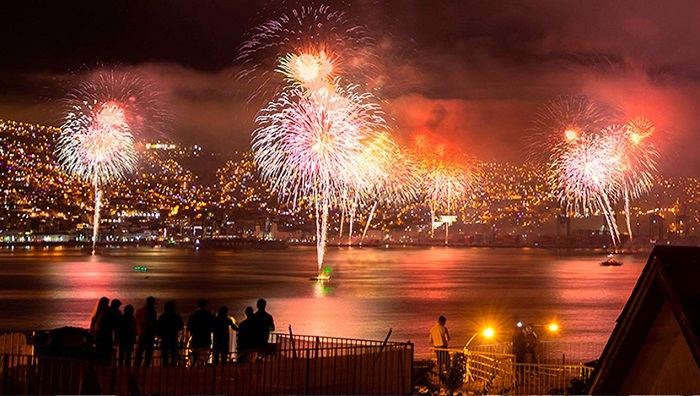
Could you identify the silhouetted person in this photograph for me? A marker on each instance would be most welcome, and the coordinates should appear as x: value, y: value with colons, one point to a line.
x: 264, y: 325
x: 519, y: 349
x: 223, y: 324
x: 105, y: 330
x: 126, y: 336
x: 169, y: 326
x: 246, y: 335
x: 439, y: 337
x: 200, y: 325
x: 532, y: 344
x: 146, y: 320
x: 519, y: 343
x: 101, y: 307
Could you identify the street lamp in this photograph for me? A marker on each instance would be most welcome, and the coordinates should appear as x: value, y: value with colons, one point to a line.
x: 486, y: 333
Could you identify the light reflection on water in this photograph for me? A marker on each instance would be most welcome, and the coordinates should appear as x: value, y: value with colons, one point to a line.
x: 371, y: 291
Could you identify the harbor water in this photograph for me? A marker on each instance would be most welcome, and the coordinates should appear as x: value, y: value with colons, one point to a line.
x: 371, y: 291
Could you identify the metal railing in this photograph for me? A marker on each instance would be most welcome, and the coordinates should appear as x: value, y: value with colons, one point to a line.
x: 16, y: 343
x: 551, y: 352
x: 549, y: 379
x: 567, y: 353
x: 558, y: 368
x: 489, y: 373
x: 294, y: 365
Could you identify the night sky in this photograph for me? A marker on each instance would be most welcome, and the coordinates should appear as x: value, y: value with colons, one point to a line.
x: 474, y: 72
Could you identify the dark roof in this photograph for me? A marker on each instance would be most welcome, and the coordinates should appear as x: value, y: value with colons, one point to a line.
x: 672, y: 276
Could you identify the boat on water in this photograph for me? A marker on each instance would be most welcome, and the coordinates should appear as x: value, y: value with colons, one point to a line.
x: 610, y: 261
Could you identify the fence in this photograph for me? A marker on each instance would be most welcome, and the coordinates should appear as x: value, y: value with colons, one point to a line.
x: 16, y: 344
x: 558, y: 369
x: 551, y: 352
x: 489, y: 373
x: 295, y: 365
x: 550, y: 379
x: 566, y: 353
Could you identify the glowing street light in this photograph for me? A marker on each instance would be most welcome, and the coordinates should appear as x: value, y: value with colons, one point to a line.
x: 487, y: 333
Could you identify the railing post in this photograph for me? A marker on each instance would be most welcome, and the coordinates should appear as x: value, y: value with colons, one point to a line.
x: 308, y: 370
x: 316, y: 348
x: 385, y: 340
x: 213, y: 377
x: 5, y: 367
x: 291, y: 340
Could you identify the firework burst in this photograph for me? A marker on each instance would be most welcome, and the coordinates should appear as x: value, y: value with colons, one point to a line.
x: 638, y: 161
x: 311, y: 146
x: 309, y: 46
x: 313, y: 71
x: 98, y: 146
x: 97, y: 140
x: 562, y: 121
x: 448, y: 176
x: 586, y: 177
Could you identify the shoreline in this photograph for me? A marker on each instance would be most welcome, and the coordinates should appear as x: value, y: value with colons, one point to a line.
x: 257, y: 244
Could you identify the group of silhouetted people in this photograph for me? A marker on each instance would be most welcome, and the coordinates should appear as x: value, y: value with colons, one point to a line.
x: 116, y: 331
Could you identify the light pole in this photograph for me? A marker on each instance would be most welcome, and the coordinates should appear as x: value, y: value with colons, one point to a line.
x: 487, y: 333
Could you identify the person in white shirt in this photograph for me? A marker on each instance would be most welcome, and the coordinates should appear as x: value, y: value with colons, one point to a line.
x: 439, y: 337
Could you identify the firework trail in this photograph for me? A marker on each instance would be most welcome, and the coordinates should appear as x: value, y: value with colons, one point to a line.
x: 387, y: 175
x: 311, y: 146
x: 638, y: 161
x: 586, y: 178
x: 310, y: 47
x: 97, y: 140
x: 398, y: 181
x: 374, y: 164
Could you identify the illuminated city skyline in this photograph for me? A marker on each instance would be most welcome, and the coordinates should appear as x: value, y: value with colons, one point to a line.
x: 164, y: 197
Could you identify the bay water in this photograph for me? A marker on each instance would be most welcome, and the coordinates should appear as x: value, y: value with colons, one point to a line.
x: 372, y: 290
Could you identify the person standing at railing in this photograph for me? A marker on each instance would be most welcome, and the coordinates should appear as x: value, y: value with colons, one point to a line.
x: 105, y: 330
x: 519, y: 349
x: 146, y: 320
x: 532, y: 344
x: 264, y: 324
x: 100, y: 308
x: 126, y: 336
x: 223, y: 324
x: 169, y: 326
x: 200, y: 325
x: 519, y: 343
x: 439, y: 337
x: 246, y: 335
